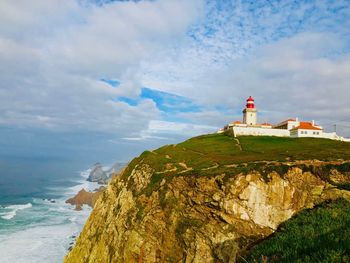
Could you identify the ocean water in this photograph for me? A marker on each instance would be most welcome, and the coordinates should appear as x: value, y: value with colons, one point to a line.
x: 36, y: 225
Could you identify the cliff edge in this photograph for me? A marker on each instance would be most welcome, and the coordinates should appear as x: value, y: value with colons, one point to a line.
x: 209, y: 198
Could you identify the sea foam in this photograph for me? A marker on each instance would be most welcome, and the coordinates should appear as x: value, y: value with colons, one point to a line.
x: 13, y: 210
x: 51, y: 233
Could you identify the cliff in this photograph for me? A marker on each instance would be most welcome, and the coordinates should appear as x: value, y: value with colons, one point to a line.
x: 210, y: 198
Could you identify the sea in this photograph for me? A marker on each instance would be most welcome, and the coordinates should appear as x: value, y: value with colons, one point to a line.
x: 36, y: 225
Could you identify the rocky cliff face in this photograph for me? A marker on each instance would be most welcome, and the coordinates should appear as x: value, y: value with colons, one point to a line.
x: 148, y: 215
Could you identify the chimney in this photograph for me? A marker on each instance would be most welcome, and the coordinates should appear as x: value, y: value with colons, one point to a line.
x: 313, y: 123
x: 296, y: 119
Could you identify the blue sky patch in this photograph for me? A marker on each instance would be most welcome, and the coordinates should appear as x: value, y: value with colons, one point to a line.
x: 130, y: 101
x: 166, y: 102
x: 169, y: 102
x: 113, y: 82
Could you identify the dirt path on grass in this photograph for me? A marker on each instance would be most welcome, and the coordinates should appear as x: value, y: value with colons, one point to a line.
x: 184, y: 165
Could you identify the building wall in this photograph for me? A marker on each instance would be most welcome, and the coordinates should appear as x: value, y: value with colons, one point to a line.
x: 255, y: 131
x: 324, y: 135
x: 306, y: 133
x: 287, y: 125
x: 334, y: 136
x: 250, y: 116
x: 292, y: 124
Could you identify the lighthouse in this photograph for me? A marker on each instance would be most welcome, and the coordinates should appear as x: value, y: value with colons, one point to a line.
x: 288, y: 128
x: 249, y: 113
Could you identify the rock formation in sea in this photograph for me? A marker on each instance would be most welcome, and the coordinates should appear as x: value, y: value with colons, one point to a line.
x: 101, y: 176
x: 98, y: 175
x: 85, y: 198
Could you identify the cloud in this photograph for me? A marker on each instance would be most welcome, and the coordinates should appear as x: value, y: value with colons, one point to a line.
x: 53, y: 55
x: 234, y: 31
x: 297, y: 73
x: 166, y: 130
x: 298, y: 76
x: 119, y: 35
x: 303, y: 75
x: 166, y: 102
x: 199, y: 60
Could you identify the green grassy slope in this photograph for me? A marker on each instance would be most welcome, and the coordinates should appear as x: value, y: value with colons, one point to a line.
x: 218, y: 154
x: 321, y: 234
x: 215, y: 154
x: 222, y: 149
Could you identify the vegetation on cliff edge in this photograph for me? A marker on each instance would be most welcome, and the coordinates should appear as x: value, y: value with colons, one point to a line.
x: 321, y: 234
x: 214, y: 154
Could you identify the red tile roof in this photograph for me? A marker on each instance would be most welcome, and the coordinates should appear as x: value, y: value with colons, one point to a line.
x: 266, y: 124
x: 306, y: 126
x: 236, y: 122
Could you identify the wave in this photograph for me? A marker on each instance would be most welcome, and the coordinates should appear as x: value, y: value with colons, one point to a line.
x: 14, y: 208
x: 85, y: 173
x: 50, y: 227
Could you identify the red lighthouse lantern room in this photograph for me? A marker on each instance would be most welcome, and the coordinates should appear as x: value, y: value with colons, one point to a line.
x: 250, y: 103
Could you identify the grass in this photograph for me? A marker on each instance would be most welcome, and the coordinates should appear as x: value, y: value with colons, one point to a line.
x: 215, y: 154
x: 321, y: 234
x: 278, y: 148
x: 207, y: 150
x: 318, y: 235
x: 155, y: 181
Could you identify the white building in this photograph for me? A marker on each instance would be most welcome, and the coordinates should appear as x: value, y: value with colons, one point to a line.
x: 306, y: 129
x: 288, y: 128
x: 288, y: 124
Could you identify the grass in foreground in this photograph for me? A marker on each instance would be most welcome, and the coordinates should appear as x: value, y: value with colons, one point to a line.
x: 321, y: 234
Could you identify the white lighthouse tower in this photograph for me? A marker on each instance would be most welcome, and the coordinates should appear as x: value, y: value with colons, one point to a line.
x: 250, y: 112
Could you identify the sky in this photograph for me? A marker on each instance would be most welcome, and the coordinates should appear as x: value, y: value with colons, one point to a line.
x: 105, y: 80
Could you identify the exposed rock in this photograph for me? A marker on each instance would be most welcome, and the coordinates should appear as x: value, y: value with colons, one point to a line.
x: 85, y: 198
x: 187, y: 218
x: 98, y: 175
